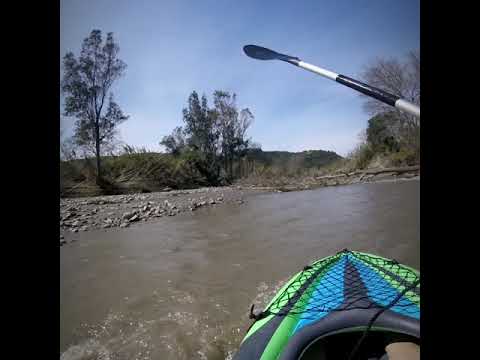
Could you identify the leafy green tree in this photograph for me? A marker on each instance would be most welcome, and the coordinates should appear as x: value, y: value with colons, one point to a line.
x: 379, y: 133
x: 175, y: 142
x: 86, y: 83
x: 232, y: 125
x: 202, y: 135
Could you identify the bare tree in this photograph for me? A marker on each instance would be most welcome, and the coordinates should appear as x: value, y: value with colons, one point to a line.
x: 87, y: 82
x: 401, y: 79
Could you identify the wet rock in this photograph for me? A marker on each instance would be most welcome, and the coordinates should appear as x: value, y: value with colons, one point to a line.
x: 84, y: 228
x: 62, y: 241
x: 220, y: 198
x: 128, y: 215
x: 67, y: 216
x: 74, y: 230
x: 134, y: 218
x: 124, y: 225
x: 211, y: 202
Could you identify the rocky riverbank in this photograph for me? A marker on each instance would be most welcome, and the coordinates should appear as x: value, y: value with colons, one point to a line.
x: 103, y: 212
x: 113, y: 211
x: 340, y: 177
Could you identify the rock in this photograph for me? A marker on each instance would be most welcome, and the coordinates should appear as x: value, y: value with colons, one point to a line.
x: 62, y: 242
x: 124, y: 225
x: 61, y: 236
x: 75, y: 223
x: 211, y: 202
x: 84, y: 228
x: 108, y: 221
x: 220, y: 198
x: 127, y: 215
x: 67, y: 215
x: 145, y: 208
x: 75, y: 230
x: 134, y: 218
x: 105, y: 226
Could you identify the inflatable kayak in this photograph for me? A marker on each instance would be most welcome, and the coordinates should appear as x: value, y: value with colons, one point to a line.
x: 351, y: 302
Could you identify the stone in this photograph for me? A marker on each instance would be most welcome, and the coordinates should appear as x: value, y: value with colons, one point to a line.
x: 134, y: 218
x: 62, y: 242
x: 127, y: 215
x: 124, y: 225
x: 212, y: 202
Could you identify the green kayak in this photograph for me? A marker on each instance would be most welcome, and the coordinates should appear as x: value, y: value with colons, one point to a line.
x: 351, y: 300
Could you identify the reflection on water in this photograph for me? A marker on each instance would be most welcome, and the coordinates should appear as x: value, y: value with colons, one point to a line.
x: 181, y: 288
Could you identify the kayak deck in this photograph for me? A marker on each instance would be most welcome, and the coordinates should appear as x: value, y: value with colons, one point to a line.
x: 339, y: 293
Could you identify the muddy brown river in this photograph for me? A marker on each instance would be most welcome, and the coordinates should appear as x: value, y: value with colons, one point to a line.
x: 181, y: 287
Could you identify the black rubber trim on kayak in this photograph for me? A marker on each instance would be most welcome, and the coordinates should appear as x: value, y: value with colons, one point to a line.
x: 378, y: 94
x: 375, y: 317
x: 254, y: 346
x: 355, y: 320
x: 415, y: 290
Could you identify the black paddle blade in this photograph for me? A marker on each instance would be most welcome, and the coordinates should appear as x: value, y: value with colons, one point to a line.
x: 261, y: 53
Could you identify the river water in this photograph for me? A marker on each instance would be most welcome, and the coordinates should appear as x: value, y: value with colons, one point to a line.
x: 181, y: 288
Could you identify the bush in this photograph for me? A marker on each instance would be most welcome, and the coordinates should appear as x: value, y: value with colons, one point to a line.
x: 361, y: 156
x: 405, y: 157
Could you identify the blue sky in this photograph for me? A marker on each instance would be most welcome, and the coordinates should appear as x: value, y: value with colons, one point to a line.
x: 174, y: 47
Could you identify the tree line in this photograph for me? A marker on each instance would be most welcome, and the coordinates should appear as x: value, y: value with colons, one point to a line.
x: 215, y: 136
x: 212, y: 137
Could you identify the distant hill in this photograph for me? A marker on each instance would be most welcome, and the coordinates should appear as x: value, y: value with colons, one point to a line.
x: 305, y: 159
